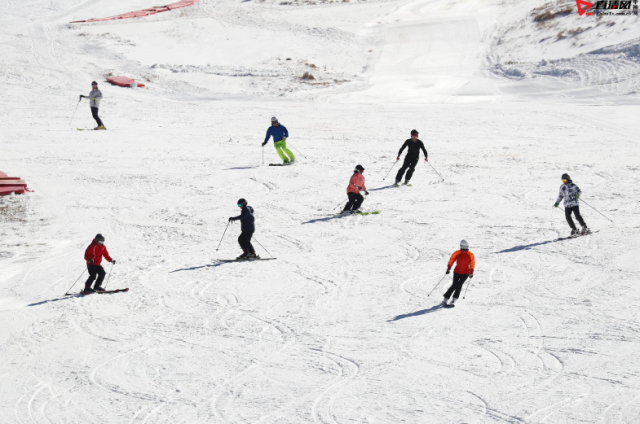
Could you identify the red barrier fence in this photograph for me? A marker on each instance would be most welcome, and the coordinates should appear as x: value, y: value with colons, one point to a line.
x: 144, y: 12
x: 10, y: 185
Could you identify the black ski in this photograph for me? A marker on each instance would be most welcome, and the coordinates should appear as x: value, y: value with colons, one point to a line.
x: 576, y: 236
x: 245, y: 260
x: 83, y: 293
x: 280, y: 164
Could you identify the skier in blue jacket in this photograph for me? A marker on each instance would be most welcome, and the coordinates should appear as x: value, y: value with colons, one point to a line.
x: 247, y: 227
x: 280, y: 134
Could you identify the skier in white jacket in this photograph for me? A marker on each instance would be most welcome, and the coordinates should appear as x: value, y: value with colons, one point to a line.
x: 571, y: 193
x: 94, y: 101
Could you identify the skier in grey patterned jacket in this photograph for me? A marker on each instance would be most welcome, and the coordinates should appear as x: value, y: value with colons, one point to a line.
x: 571, y: 193
x: 94, y: 101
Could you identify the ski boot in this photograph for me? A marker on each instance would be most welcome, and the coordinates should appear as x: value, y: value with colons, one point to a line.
x: 98, y: 288
x: 251, y: 256
x: 575, y: 232
x: 243, y: 256
x: 585, y: 230
x: 346, y: 212
x: 397, y: 183
x: 444, y: 302
x: 407, y: 183
x: 88, y: 290
x: 100, y: 127
x: 451, y: 305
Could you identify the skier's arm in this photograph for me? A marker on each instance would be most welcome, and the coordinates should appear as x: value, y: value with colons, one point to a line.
x: 472, y: 265
x: 452, y: 260
x: 363, y: 186
x: 106, y: 255
x: 286, y: 132
x: 266, y: 139
x: 560, y: 197
x: 90, y: 256
x: 98, y: 96
x: 578, y: 192
x: 426, y: 155
x: 406, y: 143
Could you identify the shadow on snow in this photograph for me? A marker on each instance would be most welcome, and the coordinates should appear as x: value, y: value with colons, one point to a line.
x: 70, y: 296
x: 193, y: 268
x: 329, y: 218
x: 525, y: 246
x: 417, y: 313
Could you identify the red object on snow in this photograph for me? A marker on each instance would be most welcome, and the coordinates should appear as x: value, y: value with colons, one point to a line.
x: 124, y: 82
x: 144, y: 12
x: 10, y: 185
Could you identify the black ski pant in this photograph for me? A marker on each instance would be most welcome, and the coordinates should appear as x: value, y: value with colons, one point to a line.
x: 456, y: 287
x: 410, y: 163
x: 355, y: 200
x: 95, y: 270
x: 245, y: 241
x: 94, y: 112
x: 576, y: 212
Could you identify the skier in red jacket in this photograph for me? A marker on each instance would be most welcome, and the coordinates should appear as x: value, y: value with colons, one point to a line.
x: 465, y: 264
x: 356, y: 185
x: 93, y: 255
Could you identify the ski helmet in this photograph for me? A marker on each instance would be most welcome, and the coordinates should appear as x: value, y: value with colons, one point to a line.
x: 242, y: 202
x: 414, y: 132
x: 94, y: 83
x: 359, y: 168
x: 566, y: 176
x: 274, y: 119
x: 99, y: 237
x: 464, y: 245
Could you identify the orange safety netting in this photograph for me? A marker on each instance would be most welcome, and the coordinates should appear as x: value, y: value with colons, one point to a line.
x: 144, y: 12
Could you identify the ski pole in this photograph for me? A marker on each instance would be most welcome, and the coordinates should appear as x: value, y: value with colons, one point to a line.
x: 466, y: 290
x: 225, y: 232
x: 437, y: 285
x: 262, y: 247
x: 297, y: 150
x: 110, y: 269
x: 435, y: 170
x: 338, y: 205
x: 74, y: 111
x: 394, y: 164
x: 595, y: 210
x: 263, y: 155
x: 67, y: 293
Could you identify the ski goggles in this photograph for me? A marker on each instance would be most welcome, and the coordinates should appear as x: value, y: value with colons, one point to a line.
x: 100, y: 242
x: 239, y: 205
x: 564, y: 180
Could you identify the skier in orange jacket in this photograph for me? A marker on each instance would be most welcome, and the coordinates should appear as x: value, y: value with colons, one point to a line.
x: 355, y: 187
x: 466, y: 263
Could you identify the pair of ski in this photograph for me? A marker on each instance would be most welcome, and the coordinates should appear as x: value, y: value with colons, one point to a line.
x: 89, y: 129
x: 83, y: 293
x: 246, y: 260
x: 360, y: 213
x: 576, y: 235
x: 281, y: 164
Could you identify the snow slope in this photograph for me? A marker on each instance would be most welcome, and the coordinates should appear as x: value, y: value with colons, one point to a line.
x: 341, y: 327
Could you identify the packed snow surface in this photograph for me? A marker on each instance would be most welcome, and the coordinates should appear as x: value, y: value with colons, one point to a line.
x: 345, y: 326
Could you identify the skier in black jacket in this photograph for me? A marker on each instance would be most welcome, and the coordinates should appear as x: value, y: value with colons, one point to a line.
x: 247, y: 221
x: 411, y: 160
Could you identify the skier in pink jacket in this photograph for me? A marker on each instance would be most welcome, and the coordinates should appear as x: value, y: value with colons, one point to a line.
x: 356, y: 185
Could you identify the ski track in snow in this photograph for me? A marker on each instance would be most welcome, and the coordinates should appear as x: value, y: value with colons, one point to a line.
x: 342, y: 327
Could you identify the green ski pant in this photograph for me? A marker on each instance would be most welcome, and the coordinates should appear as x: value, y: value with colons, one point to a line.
x: 281, y: 148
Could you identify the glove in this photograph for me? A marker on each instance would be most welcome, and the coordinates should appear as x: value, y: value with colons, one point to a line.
x: 366, y: 193
x: 577, y: 196
x: 263, y: 144
x: 113, y: 261
x: 555, y: 205
x: 397, y: 158
x: 426, y: 159
x: 470, y: 275
x: 284, y: 139
x: 91, y: 262
x: 81, y: 97
x: 94, y: 99
x: 448, y: 271
x: 231, y: 219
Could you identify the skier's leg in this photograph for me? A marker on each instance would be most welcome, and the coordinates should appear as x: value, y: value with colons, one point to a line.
x: 92, y: 276
x: 567, y: 214
x: 278, y: 145
x: 461, y: 278
x: 248, y: 242
x: 412, y: 167
x: 101, y: 274
x: 287, y: 151
x: 350, y: 203
x: 94, y: 113
x: 243, y: 245
x: 404, y: 167
x: 448, y: 293
x: 358, y: 202
x: 576, y: 212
